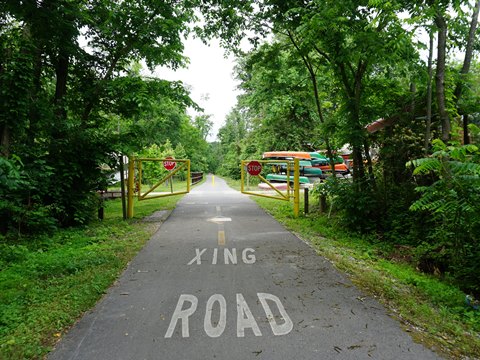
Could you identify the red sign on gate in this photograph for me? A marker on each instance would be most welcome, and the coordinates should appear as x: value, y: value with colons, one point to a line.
x: 254, y: 168
x: 169, y: 165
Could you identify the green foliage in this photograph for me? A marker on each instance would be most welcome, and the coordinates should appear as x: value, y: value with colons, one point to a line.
x: 359, y: 210
x: 453, y: 203
x: 215, y: 158
x: 434, y: 310
x: 10, y: 178
x: 153, y: 171
x: 232, y: 143
x: 278, y: 98
x: 16, y: 214
x: 72, y: 99
x: 194, y: 145
x: 48, y: 282
x: 203, y: 124
x: 362, y: 64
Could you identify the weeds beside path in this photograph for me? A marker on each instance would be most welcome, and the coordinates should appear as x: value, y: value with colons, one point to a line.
x: 48, y: 282
x: 432, y: 311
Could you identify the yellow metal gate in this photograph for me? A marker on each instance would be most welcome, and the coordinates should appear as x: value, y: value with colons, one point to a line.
x: 173, y: 166
x: 292, y: 177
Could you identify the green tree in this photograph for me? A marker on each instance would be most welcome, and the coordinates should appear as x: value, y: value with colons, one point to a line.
x: 452, y: 202
x: 277, y: 99
x: 231, y: 136
x: 70, y: 100
x: 470, y: 40
x: 203, y: 124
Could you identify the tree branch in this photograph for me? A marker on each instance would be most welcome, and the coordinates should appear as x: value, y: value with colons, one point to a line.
x: 119, y: 53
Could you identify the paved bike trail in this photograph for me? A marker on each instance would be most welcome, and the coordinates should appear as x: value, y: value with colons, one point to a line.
x: 221, y: 279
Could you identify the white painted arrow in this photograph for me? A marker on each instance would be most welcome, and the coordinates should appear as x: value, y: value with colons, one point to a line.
x: 219, y: 219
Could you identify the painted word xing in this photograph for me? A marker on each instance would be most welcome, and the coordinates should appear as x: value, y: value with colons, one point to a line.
x: 230, y: 256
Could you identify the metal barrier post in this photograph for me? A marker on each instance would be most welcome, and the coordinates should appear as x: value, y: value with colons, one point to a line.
x: 131, y: 175
x: 296, y: 187
x: 242, y: 176
x: 306, y: 204
x: 188, y: 176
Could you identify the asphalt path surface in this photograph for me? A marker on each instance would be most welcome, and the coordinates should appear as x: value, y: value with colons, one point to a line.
x: 221, y: 279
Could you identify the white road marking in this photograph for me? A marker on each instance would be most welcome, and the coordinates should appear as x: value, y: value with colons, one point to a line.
x: 198, y: 257
x: 249, y: 258
x: 220, y: 219
x: 210, y: 329
x: 182, y: 314
x: 229, y: 256
x: 245, y: 318
x: 215, y: 254
x: 277, y: 329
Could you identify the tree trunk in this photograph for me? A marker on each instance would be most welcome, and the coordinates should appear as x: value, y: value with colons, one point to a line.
x: 371, y: 174
x: 466, y: 66
x: 61, y: 72
x: 360, y: 140
x: 358, y: 168
x: 468, y: 50
x: 320, y: 115
x: 466, y: 137
x: 413, y: 91
x: 313, y: 78
x: 440, y: 76
x: 34, y: 115
x: 5, y: 141
x: 428, y: 124
x: 5, y: 134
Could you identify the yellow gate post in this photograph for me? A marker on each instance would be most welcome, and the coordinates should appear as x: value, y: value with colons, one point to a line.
x: 296, y: 187
x: 242, y: 177
x: 131, y: 176
x: 189, y: 179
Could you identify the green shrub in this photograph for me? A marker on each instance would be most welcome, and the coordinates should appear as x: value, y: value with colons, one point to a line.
x: 452, y: 203
x: 358, y: 209
x: 20, y: 210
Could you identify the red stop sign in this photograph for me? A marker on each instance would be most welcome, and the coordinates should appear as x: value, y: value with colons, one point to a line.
x: 169, y: 165
x: 254, y: 168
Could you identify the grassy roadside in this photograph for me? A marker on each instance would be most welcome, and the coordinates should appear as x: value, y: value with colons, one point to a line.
x: 432, y: 311
x: 48, y: 282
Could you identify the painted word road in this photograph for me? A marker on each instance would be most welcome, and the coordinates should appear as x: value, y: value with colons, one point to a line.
x: 187, y: 306
x: 216, y: 306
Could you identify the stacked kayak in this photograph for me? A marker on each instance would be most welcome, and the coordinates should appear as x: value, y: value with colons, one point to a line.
x: 323, y: 163
x: 283, y: 178
x: 308, y: 173
x: 313, y: 166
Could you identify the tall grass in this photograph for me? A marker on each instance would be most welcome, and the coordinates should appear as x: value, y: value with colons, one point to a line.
x: 47, y: 282
x: 431, y: 310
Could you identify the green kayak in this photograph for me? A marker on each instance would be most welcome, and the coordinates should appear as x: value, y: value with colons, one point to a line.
x: 318, y: 158
x: 283, y: 178
x: 306, y: 169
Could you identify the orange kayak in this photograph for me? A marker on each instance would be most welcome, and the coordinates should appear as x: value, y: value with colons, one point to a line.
x: 287, y: 154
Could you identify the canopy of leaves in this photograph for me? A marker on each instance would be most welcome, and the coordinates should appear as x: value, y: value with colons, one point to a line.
x: 72, y: 99
x: 333, y: 67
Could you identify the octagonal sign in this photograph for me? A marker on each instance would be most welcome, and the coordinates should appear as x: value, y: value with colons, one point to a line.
x: 254, y: 168
x: 168, y: 164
